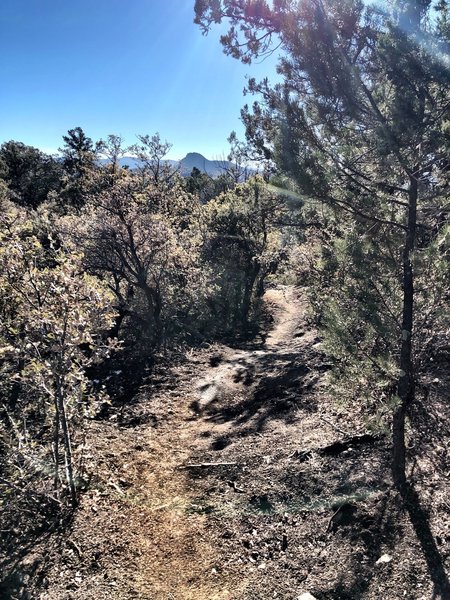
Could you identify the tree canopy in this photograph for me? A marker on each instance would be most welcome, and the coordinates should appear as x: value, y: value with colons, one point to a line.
x: 360, y: 123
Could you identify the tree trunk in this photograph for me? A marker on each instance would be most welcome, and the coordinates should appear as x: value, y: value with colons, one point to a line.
x: 248, y: 292
x: 118, y: 320
x: 67, y: 445
x: 405, y: 384
x: 154, y: 307
x: 56, y: 448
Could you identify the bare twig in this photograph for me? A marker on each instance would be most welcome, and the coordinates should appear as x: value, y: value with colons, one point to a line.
x: 334, y: 426
x: 207, y: 464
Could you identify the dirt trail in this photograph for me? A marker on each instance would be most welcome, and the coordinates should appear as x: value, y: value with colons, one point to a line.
x: 238, y: 368
x: 177, y: 558
x: 141, y: 531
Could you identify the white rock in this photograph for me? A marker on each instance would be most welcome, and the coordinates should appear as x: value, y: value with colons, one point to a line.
x: 385, y: 558
x: 306, y: 596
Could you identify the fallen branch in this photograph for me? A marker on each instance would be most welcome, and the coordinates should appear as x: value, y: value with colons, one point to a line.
x: 116, y: 487
x: 207, y: 464
x: 338, y: 429
x: 356, y: 440
x: 337, y: 447
x: 75, y: 547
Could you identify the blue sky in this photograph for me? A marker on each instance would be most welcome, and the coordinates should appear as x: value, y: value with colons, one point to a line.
x: 117, y: 66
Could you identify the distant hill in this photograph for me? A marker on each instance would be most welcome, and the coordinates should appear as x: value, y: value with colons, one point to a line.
x: 211, y: 167
x: 214, y: 168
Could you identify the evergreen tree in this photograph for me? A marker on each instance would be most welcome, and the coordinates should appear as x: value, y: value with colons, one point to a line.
x: 202, y: 185
x: 78, y: 157
x: 29, y: 173
x: 360, y: 122
x: 77, y: 152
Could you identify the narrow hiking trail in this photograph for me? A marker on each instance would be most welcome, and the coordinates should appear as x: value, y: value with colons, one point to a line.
x: 153, y: 501
x: 213, y: 485
x: 178, y: 559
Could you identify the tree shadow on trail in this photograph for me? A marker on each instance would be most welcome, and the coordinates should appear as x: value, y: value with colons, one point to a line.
x: 370, y: 534
x: 381, y: 532
x: 420, y: 522
x: 284, y: 383
x: 431, y: 423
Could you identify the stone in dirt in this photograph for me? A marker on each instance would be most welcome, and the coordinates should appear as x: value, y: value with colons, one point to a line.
x: 385, y: 558
x: 306, y: 596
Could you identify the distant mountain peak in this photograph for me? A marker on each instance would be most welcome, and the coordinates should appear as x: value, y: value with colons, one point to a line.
x: 194, y: 155
x: 197, y: 160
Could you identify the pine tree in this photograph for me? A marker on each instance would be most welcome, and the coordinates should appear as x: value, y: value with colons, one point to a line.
x: 78, y: 157
x: 360, y: 122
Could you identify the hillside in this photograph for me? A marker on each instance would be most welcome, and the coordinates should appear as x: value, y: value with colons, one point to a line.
x: 211, y: 167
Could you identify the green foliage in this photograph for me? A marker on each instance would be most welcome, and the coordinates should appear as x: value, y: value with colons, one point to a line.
x: 360, y: 123
x: 29, y: 174
x: 78, y: 158
x: 53, y: 319
x: 143, y: 242
x: 78, y: 152
x: 243, y: 244
x: 202, y: 185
